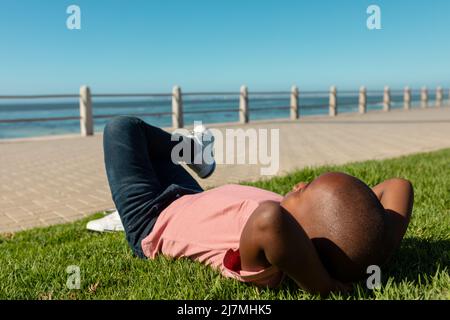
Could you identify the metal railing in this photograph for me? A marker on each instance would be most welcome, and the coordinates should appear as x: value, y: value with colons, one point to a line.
x: 284, y: 100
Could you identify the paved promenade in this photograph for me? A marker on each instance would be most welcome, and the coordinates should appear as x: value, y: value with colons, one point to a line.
x: 61, y: 179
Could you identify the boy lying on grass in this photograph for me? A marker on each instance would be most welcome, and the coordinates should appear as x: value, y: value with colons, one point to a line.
x: 323, y: 234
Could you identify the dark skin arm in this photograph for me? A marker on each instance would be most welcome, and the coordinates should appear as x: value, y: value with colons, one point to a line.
x: 397, y: 197
x: 273, y: 237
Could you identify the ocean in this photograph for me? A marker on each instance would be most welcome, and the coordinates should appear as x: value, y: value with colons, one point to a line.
x: 196, y: 108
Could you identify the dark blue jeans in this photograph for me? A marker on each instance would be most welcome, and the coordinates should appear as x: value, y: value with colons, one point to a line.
x: 141, y: 175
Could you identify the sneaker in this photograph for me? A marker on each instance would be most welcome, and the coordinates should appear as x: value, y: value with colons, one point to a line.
x: 204, y: 139
x: 110, y: 222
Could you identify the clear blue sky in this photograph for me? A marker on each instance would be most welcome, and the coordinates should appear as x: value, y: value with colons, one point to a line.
x: 152, y: 45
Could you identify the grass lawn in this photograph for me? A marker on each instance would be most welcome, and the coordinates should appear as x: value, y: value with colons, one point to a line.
x: 33, y: 263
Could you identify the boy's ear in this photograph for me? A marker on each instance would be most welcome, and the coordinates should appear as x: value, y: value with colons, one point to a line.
x: 299, y: 185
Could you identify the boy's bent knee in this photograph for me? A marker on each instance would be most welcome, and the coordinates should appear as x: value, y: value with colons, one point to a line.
x: 120, y: 124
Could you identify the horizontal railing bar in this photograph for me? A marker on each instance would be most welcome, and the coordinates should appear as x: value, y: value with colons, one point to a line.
x: 268, y: 92
x: 226, y: 93
x: 397, y: 91
x: 375, y: 91
x: 38, y: 119
x: 193, y: 94
x: 44, y: 96
x: 146, y: 114
x: 271, y: 108
x: 212, y: 111
x: 141, y: 107
x: 111, y: 95
x: 209, y: 101
x: 347, y: 94
x: 268, y: 99
x: 313, y: 92
x: 368, y: 92
x: 346, y: 91
x: 118, y: 95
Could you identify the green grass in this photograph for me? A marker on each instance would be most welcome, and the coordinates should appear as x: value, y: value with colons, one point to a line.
x: 33, y: 263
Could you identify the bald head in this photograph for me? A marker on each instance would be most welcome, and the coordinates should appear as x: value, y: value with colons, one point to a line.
x: 345, y: 221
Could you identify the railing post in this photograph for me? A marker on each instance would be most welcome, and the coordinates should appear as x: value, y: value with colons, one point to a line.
x: 424, y: 97
x: 362, y: 100
x: 407, y: 98
x: 294, y: 103
x: 86, y: 120
x: 439, y: 96
x: 386, y: 99
x: 333, y: 101
x: 448, y: 100
x: 243, y: 105
x: 177, y: 108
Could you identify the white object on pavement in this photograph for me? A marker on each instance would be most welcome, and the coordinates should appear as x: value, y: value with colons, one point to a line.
x: 110, y: 222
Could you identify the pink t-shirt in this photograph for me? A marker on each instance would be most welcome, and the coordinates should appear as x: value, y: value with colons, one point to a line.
x: 207, y: 227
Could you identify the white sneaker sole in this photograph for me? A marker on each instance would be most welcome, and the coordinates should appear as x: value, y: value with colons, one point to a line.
x: 109, y: 223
